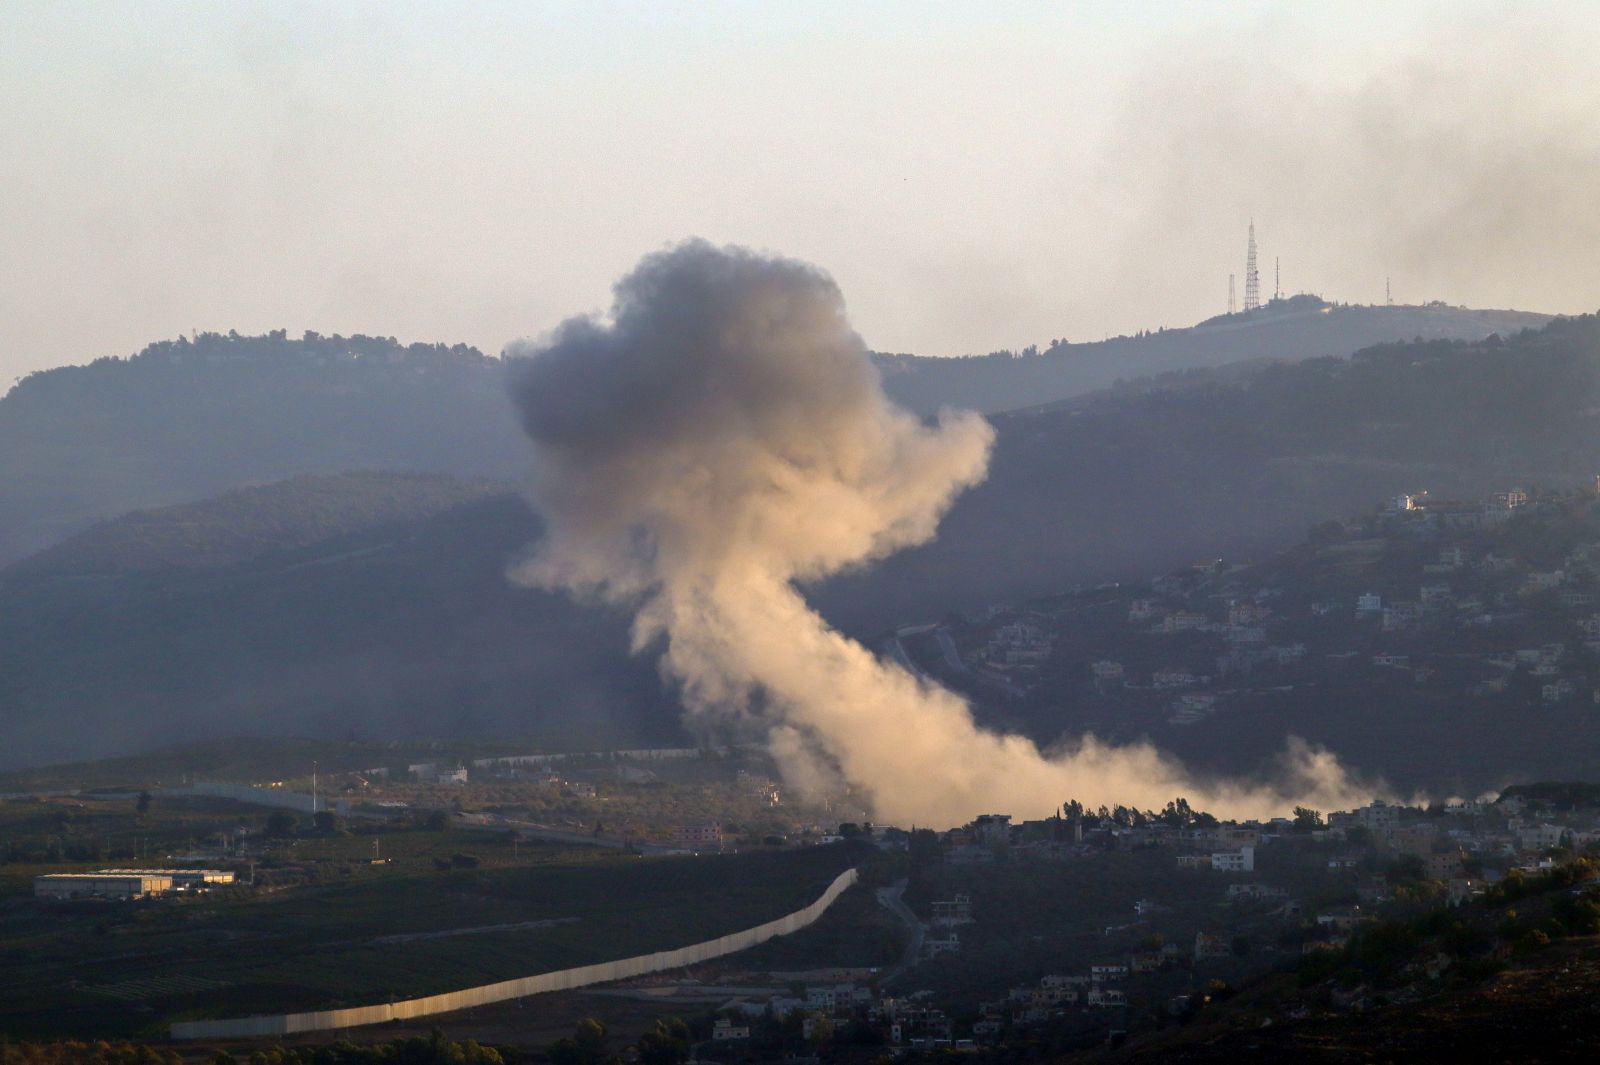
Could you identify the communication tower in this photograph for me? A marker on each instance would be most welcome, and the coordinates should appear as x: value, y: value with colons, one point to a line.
x: 1252, y: 280
x: 1277, y: 279
x: 1231, y: 305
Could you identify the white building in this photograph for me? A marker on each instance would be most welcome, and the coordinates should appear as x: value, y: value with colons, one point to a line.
x: 106, y: 884
x: 1242, y: 860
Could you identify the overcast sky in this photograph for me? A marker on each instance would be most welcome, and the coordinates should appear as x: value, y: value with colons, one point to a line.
x: 975, y: 176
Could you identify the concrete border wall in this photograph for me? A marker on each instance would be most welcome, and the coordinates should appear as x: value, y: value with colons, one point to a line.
x: 483, y: 995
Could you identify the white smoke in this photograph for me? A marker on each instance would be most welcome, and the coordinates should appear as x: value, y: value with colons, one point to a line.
x: 724, y: 435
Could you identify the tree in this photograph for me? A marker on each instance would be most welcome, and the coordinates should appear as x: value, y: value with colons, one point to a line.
x: 327, y: 823
x: 665, y: 1044
x: 1306, y: 819
x: 282, y: 823
x: 143, y: 805
x: 925, y: 847
x: 589, y: 1038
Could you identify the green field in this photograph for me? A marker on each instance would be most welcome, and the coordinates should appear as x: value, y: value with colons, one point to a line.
x: 128, y: 969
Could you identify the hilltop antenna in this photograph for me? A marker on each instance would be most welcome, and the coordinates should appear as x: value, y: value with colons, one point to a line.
x: 1277, y: 279
x: 1388, y: 298
x: 1252, y: 280
x: 1231, y: 306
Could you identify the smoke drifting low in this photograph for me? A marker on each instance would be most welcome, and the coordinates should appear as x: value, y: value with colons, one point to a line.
x: 723, y: 436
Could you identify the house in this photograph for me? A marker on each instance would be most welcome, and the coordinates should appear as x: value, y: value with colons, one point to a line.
x: 1540, y: 837
x: 1167, y: 679
x: 1242, y: 860
x: 1104, y: 998
x: 947, y: 913
x: 1537, y: 581
x: 1257, y: 892
x: 949, y: 943
x: 725, y: 1030
x: 1560, y: 691
x: 1184, y: 621
x: 993, y: 830
x: 1442, y: 865
x: 1106, y: 670
x: 1378, y: 817
x: 1147, y: 961
x: 1107, y: 973
x: 1208, y: 947
x: 1342, y: 919
x: 1369, y: 604
x: 698, y: 836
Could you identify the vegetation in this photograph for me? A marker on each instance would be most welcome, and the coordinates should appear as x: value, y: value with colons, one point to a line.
x: 107, y: 968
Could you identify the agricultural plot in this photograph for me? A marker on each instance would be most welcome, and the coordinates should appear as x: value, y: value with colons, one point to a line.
x: 110, y: 969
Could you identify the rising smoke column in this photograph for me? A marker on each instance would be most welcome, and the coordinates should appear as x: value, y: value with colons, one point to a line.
x: 724, y: 435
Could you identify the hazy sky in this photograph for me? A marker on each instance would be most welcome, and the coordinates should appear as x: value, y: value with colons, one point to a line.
x: 974, y: 175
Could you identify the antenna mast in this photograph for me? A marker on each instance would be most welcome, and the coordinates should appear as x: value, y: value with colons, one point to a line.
x: 1252, y: 280
x: 1231, y: 306
x: 1277, y: 279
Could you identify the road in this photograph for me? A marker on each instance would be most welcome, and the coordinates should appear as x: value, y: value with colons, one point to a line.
x: 890, y: 899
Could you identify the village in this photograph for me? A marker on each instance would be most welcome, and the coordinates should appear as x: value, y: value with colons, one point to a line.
x: 1463, y: 608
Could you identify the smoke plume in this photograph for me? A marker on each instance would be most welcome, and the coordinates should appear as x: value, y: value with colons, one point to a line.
x: 723, y: 436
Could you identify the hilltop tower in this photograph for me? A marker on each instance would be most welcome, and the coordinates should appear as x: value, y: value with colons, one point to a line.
x: 1252, y: 280
x: 1232, y: 306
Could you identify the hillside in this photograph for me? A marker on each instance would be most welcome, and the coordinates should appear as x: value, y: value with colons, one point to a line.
x: 1300, y: 327
x: 1135, y: 480
x: 412, y: 628
x: 183, y: 420
x: 405, y: 629
x: 1472, y: 624
x: 1494, y: 980
x: 244, y: 524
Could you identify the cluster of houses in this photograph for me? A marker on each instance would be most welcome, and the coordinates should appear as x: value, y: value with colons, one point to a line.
x: 1473, y: 581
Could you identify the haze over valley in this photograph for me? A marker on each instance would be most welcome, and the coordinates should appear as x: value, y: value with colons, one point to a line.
x: 583, y: 534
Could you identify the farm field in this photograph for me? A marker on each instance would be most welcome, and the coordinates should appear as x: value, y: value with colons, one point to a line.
x: 106, y: 969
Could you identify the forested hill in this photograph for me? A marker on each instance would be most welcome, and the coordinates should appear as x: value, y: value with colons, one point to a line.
x: 1132, y: 481
x: 186, y: 419
x: 1299, y: 327
x: 411, y: 627
x: 247, y: 523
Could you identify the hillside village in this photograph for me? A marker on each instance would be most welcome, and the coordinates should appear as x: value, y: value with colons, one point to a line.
x: 1477, y: 609
x: 1198, y: 908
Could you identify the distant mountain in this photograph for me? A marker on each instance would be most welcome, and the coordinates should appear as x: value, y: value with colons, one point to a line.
x: 183, y: 420
x: 411, y: 627
x: 248, y: 523
x: 1299, y: 327
x: 1201, y: 464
